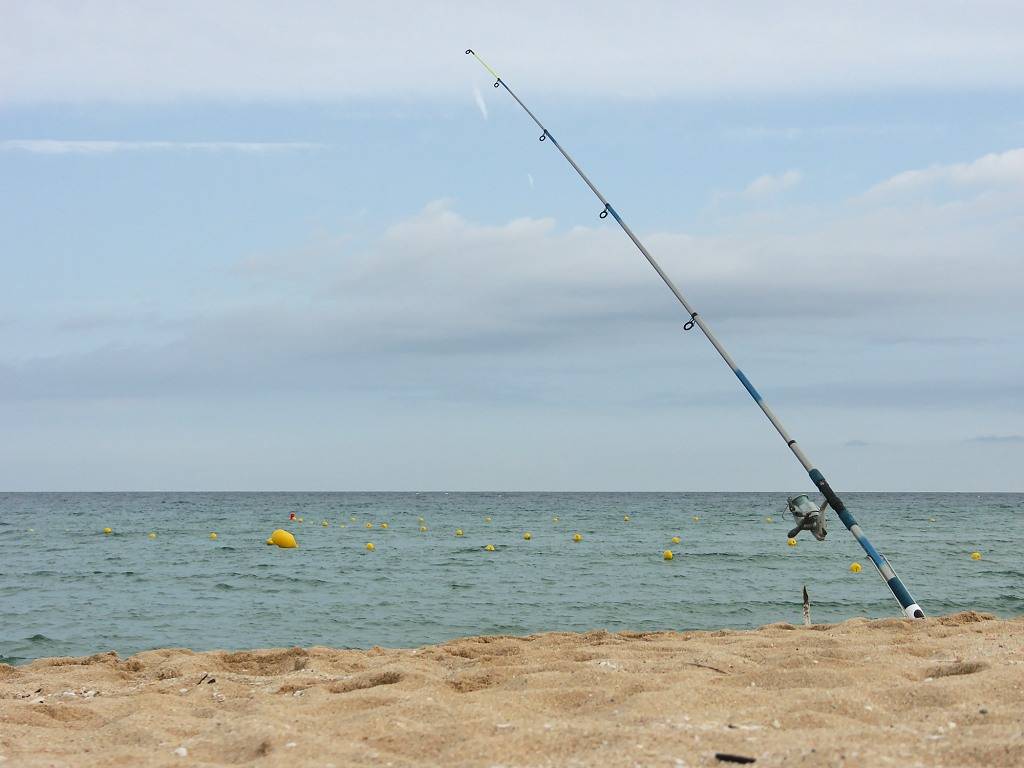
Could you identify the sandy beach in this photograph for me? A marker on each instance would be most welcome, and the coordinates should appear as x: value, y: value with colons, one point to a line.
x: 947, y: 691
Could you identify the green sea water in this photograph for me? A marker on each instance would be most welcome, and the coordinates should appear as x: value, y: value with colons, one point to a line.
x: 68, y: 589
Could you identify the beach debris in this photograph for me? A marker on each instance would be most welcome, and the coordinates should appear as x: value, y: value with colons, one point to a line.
x: 283, y: 539
x: 727, y: 757
x: 181, y: 752
x: 667, y: 555
x: 807, y: 608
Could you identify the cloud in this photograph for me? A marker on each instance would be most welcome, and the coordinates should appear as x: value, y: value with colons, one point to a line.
x: 91, y: 147
x: 436, y: 303
x: 994, y: 169
x: 480, y: 103
x: 192, y: 49
x: 997, y: 439
x: 769, y: 185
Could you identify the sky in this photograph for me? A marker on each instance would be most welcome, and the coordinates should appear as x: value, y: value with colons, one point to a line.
x: 308, y: 246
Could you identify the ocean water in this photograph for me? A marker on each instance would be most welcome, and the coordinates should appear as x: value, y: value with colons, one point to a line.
x: 68, y: 589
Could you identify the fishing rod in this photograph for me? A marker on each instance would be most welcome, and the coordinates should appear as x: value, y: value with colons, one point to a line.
x: 895, y: 584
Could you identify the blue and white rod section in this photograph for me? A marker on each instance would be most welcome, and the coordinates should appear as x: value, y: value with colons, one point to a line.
x: 899, y: 590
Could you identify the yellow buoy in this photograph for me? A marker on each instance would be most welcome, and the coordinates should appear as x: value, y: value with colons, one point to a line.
x: 423, y: 529
x: 577, y: 537
x: 625, y: 518
x: 384, y: 526
x: 152, y: 535
x: 696, y: 518
x: 489, y: 547
x: 352, y: 519
x: 554, y: 519
x: 791, y: 542
x: 667, y: 554
x: 854, y: 567
x: 369, y: 546
x: 324, y: 523
x: 107, y: 531
x: 527, y: 535
x: 213, y: 537
x: 931, y: 519
x: 768, y: 519
x: 369, y: 525
x: 421, y: 519
x: 487, y: 519
x: 676, y: 539
x: 458, y: 531
x: 283, y: 539
x: 975, y: 555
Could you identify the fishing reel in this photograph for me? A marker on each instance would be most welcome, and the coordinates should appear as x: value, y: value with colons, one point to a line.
x: 808, y: 516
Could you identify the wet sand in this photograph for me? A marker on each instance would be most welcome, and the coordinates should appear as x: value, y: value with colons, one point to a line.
x: 943, y: 692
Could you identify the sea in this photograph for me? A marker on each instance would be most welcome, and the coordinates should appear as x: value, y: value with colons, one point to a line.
x: 69, y: 589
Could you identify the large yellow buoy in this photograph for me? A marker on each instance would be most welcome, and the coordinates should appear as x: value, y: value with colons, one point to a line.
x: 283, y: 539
x: 107, y: 531
x: 577, y: 537
x: 676, y: 539
x: 213, y: 537
x: 667, y: 554
x: 791, y: 542
x: 527, y: 535
x: 975, y: 555
x: 458, y: 531
x: 489, y: 547
x: 369, y: 546
x: 854, y: 567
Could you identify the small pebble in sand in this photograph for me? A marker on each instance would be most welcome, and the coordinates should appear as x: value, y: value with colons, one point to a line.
x: 181, y: 752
